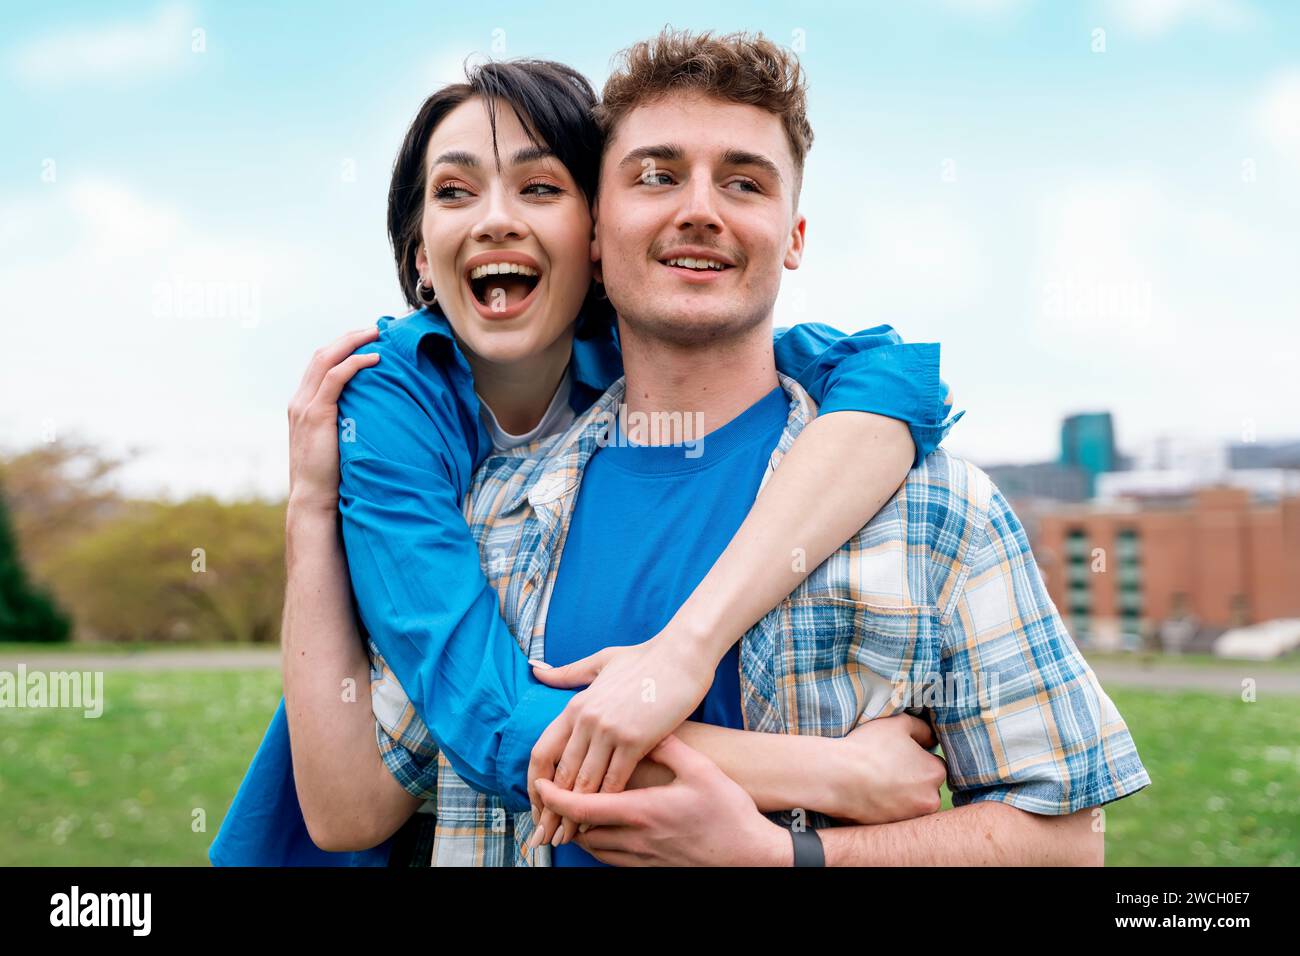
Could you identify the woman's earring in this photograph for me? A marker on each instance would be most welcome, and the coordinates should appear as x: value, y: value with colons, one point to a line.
x: 424, y: 292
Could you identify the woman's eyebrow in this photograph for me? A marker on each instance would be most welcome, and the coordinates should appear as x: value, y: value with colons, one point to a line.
x: 459, y: 157
x: 456, y: 157
x: 530, y: 154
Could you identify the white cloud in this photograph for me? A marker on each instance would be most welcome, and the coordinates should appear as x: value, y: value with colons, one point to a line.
x: 1151, y: 18
x: 1174, y: 309
x: 1277, y: 113
x: 107, y: 51
x: 919, y: 258
x: 139, y: 328
x: 1098, y: 276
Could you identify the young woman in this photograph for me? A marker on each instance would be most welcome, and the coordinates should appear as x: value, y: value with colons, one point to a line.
x: 489, y: 215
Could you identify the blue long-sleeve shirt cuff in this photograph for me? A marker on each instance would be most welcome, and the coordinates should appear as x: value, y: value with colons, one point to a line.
x: 532, y: 715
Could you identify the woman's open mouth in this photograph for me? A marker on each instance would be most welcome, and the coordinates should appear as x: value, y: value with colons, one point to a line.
x: 502, y: 284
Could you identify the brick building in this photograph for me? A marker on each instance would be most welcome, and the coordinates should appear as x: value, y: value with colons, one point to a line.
x: 1132, y: 571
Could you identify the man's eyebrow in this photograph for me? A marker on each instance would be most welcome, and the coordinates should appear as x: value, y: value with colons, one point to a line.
x: 743, y: 157
x: 668, y: 152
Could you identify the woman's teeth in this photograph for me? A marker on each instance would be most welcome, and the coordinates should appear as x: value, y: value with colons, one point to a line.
x: 697, y: 264
x: 501, y: 268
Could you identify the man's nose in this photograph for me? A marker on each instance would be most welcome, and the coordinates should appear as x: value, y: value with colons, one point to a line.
x: 500, y: 221
x: 699, y: 208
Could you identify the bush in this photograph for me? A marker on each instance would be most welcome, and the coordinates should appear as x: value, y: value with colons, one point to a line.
x: 26, y: 613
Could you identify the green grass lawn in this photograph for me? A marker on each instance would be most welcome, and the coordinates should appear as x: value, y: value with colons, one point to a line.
x: 122, y: 789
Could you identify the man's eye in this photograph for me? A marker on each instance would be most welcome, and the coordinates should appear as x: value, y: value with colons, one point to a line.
x: 657, y: 177
x: 450, y: 191
x: 746, y: 185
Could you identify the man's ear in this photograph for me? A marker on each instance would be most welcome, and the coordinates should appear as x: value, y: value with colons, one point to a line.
x: 595, y: 241
x: 794, y: 253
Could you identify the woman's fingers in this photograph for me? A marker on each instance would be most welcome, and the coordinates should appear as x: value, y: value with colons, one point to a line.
x: 546, y: 827
x: 332, y: 385
x: 589, y: 780
x: 326, y: 357
x: 621, y: 766
x: 545, y: 755
x: 566, y: 770
x: 578, y: 674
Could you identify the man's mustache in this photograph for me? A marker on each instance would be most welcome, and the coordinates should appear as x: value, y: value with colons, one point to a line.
x: 659, y: 250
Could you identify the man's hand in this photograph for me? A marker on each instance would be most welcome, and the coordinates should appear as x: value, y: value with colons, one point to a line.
x: 702, y: 818
x: 884, y: 772
x: 638, y: 696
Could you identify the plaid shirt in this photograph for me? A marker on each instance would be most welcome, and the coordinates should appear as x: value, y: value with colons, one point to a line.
x: 935, y: 605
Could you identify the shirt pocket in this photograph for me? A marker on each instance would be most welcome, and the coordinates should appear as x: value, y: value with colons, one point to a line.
x: 843, y: 662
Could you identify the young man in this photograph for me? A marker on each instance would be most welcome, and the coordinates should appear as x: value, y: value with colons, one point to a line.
x: 936, y: 604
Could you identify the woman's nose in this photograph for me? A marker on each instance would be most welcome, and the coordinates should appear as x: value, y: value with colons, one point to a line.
x: 501, y: 221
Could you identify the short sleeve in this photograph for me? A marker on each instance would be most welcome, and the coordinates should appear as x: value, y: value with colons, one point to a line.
x: 871, y: 371
x: 1022, y: 717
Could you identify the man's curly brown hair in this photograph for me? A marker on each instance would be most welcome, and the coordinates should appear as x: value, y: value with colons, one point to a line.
x: 736, y: 67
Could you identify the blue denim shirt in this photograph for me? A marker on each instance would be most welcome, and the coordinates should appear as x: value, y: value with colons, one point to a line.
x: 411, y: 438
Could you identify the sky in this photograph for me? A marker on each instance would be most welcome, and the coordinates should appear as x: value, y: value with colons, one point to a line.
x: 1091, y: 205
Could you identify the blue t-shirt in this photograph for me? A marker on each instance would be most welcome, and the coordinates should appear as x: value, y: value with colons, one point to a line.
x: 649, y: 523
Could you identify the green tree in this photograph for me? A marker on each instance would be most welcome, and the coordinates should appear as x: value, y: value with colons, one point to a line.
x: 57, y: 492
x: 197, y: 570
x: 26, y: 614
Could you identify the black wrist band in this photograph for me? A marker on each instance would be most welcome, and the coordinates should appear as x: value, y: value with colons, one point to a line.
x: 807, y: 847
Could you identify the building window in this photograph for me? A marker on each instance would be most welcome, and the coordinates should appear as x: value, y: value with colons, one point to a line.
x: 1078, y: 576
x: 1128, y: 554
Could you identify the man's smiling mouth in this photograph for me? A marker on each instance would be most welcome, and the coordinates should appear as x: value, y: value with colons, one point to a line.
x: 699, y: 265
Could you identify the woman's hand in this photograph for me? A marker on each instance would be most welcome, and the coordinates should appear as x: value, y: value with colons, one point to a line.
x: 883, y: 772
x: 637, y: 696
x: 313, y: 422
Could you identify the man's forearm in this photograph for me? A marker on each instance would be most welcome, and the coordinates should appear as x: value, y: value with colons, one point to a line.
x: 779, y: 771
x: 979, y: 834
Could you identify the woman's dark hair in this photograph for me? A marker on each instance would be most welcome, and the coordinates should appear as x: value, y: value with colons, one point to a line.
x: 553, y: 102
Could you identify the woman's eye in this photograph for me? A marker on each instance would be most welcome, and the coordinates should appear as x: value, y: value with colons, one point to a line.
x: 450, y: 191
x: 542, y: 189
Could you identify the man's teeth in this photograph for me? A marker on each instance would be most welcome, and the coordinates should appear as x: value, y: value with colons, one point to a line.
x: 698, y: 264
x: 502, y: 268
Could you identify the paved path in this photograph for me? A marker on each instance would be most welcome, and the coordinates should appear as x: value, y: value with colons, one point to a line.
x: 1225, y: 678
x: 234, y: 659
